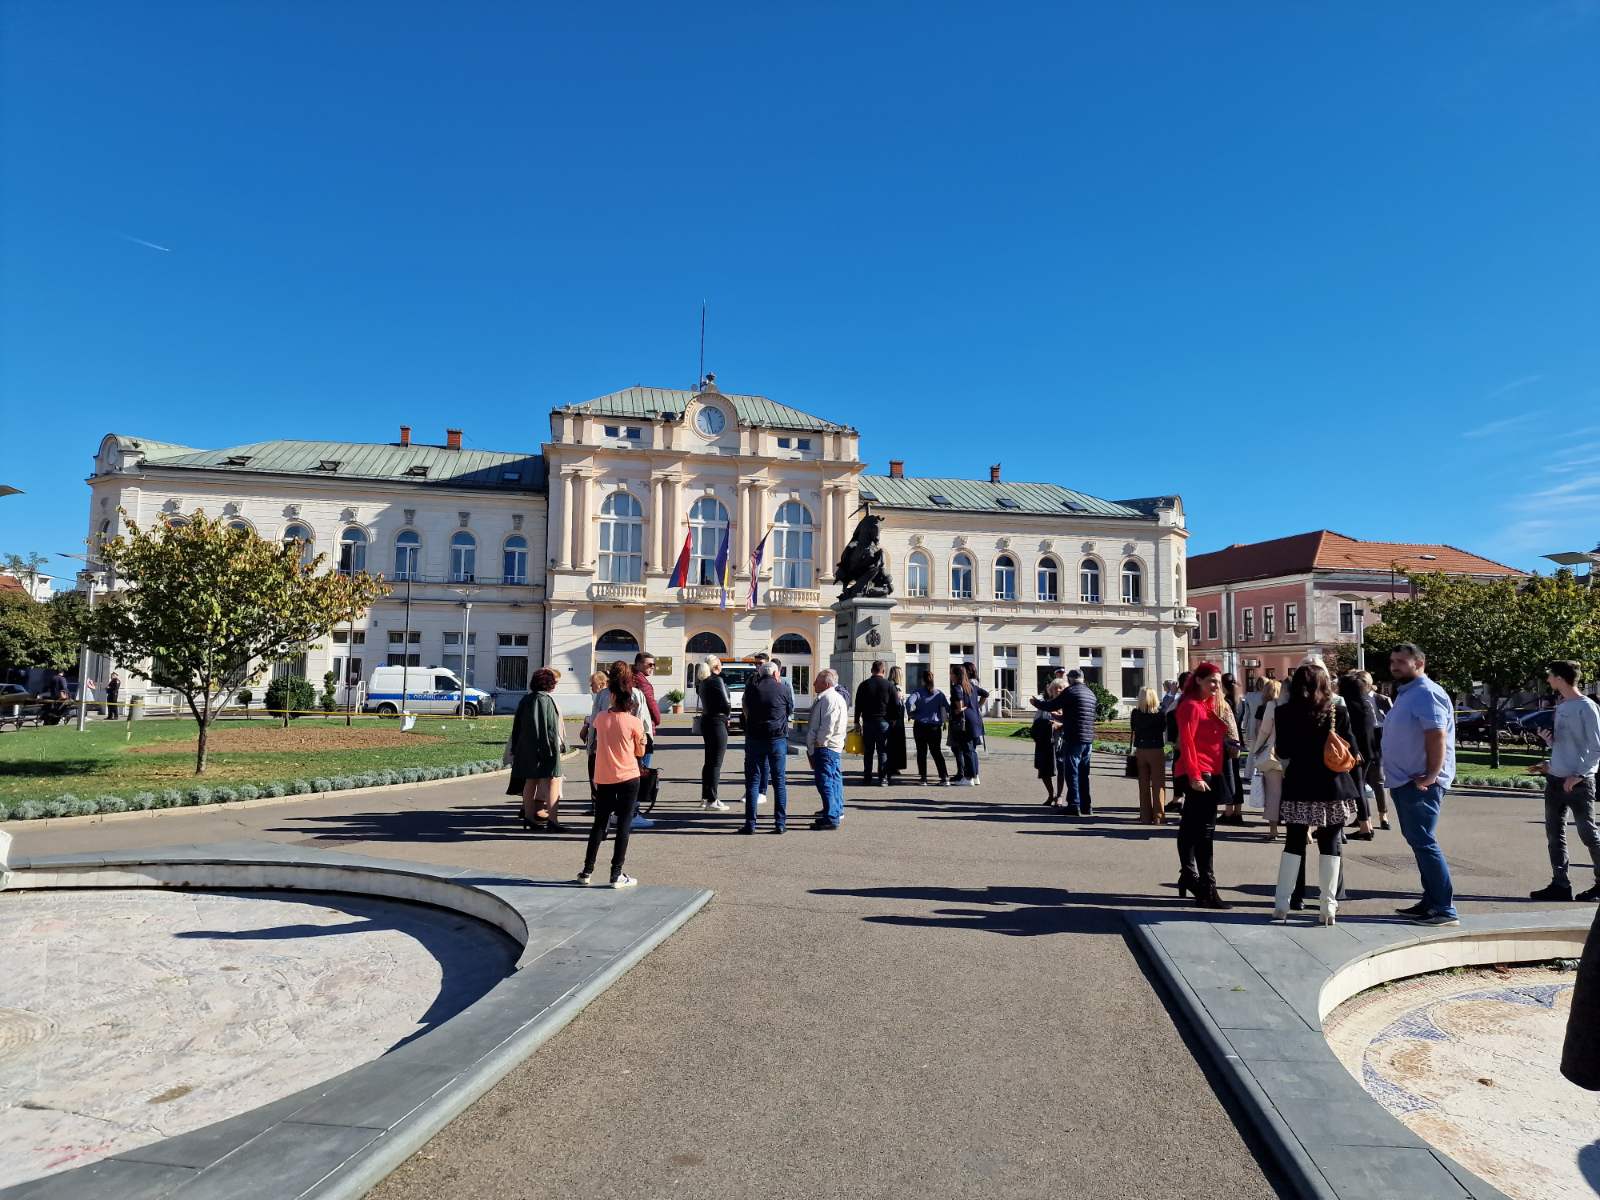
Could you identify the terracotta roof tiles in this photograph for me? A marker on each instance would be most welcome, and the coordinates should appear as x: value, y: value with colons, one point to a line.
x: 1325, y: 550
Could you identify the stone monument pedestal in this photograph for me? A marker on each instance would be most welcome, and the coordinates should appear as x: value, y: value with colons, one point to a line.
x: 862, y: 634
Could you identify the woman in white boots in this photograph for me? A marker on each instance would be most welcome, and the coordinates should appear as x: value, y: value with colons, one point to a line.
x: 1316, y: 799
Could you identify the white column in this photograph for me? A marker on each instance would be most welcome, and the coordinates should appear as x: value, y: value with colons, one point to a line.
x: 580, y: 535
x: 758, y: 522
x: 829, y: 554
x: 567, y: 521
x: 742, y: 519
x: 657, y: 519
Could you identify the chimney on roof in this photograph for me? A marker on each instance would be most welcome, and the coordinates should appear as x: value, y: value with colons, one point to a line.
x: 994, y: 473
x: 405, y: 435
x: 897, y: 468
x: 452, y: 439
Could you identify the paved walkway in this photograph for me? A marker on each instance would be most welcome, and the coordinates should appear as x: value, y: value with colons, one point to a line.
x: 939, y: 999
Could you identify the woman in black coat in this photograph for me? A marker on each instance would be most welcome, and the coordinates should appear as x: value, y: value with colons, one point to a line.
x: 1314, y: 796
x: 1364, y: 741
x: 715, y: 707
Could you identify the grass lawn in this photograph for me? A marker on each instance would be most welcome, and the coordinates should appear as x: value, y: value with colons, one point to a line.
x: 1474, y: 761
x: 41, y: 764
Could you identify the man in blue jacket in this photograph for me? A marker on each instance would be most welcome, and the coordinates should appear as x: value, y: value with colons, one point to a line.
x: 1076, y: 706
x: 768, y: 705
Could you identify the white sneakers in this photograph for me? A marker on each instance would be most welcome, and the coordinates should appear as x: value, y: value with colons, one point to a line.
x: 585, y: 879
x: 624, y: 881
x: 714, y: 806
x: 761, y: 798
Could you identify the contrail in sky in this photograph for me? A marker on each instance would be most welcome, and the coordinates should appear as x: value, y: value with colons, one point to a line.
x: 142, y: 242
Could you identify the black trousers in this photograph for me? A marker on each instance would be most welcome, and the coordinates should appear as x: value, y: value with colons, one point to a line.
x: 1197, y: 826
x: 612, y: 800
x: 927, y: 739
x: 715, y: 735
x: 874, y: 739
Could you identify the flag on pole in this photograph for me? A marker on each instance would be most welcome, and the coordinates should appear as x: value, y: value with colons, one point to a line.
x: 680, y: 573
x: 755, y: 567
x: 724, y: 567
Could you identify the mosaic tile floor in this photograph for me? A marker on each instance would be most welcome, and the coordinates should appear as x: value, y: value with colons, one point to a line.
x: 1469, y: 1061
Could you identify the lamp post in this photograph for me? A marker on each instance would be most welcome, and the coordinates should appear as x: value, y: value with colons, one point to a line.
x: 90, y: 577
x: 466, y: 594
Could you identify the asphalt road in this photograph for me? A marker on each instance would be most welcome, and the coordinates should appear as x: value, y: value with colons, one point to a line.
x: 938, y: 1000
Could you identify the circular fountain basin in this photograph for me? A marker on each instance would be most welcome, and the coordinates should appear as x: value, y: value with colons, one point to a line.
x: 131, y: 1015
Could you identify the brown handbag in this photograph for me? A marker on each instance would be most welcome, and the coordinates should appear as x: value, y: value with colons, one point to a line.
x: 1336, y: 754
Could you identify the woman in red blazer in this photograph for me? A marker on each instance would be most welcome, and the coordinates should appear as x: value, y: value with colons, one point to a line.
x: 1203, y: 783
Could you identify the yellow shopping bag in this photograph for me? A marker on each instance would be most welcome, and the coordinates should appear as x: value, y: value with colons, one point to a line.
x: 852, y: 742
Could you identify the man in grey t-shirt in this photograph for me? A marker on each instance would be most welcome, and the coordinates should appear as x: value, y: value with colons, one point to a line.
x: 1569, y: 781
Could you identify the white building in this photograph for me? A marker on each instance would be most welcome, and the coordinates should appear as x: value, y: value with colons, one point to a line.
x: 1015, y: 577
x: 1018, y: 578
x: 447, y: 526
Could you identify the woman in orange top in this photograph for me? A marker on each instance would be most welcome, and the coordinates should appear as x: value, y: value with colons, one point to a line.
x: 619, y: 743
x: 1202, y: 741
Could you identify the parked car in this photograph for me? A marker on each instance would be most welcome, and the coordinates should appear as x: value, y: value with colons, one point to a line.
x: 19, y: 707
x: 427, y: 690
x: 1540, y: 721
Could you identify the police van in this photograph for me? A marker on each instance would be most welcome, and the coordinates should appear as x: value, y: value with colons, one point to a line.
x: 427, y: 690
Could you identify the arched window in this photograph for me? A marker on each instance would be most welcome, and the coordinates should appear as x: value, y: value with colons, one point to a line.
x: 463, y: 558
x: 240, y: 524
x: 515, y: 560
x: 708, y: 525
x: 795, y: 654
x: 300, y: 535
x: 1049, y: 579
x: 1132, y: 583
x: 1005, y: 578
x: 352, y: 551
x: 961, y: 577
x: 407, y: 552
x: 621, y: 539
x: 1089, y: 582
x: 616, y: 645
x: 705, y: 643
x: 917, y: 574
x: 792, y: 537
x: 792, y: 645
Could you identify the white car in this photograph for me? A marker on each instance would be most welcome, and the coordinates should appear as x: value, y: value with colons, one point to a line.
x: 427, y: 690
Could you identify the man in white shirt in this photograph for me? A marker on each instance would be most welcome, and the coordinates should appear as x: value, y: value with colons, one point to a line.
x: 825, y: 732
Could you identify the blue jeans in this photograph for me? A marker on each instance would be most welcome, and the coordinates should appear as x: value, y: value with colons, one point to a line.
x: 764, y: 759
x: 830, y: 783
x: 1075, y: 769
x: 1418, y: 810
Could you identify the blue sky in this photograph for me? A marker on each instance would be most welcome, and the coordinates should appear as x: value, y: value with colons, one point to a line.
x: 1308, y: 265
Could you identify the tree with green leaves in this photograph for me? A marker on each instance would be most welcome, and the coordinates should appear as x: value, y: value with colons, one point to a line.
x: 1499, y: 633
x: 26, y: 569
x: 25, y: 633
x: 205, y: 608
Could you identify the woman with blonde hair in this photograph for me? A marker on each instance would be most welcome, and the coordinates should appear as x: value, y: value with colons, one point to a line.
x: 1262, y: 757
x: 1149, y: 726
x: 715, y: 706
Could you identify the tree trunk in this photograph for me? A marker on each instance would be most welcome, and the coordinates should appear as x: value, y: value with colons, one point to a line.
x: 1494, y: 728
x: 200, y: 751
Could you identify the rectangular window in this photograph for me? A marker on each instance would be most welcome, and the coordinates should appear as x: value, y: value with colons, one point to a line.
x: 802, y: 443
x: 613, y: 431
x: 513, y: 639
x: 454, y: 638
x: 920, y: 650
x: 1132, y: 673
x: 400, y: 660
x: 1347, y: 616
x: 961, y: 654
x: 1291, y: 618
x: 1269, y: 620
x: 1092, y: 662
x: 800, y: 678
x: 785, y: 443
x: 347, y: 671
x: 511, y: 673
x: 1051, y: 654
x: 1249, y: 616
x: 342, y: 637
x: 452, y: 663
x: 398, y: 637
x: 1211, y: 625
x: 635, y: 433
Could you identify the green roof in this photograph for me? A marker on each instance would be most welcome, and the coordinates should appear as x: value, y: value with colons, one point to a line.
x: 971, y: 495
x: 647, y: 402
x: 421, y: 466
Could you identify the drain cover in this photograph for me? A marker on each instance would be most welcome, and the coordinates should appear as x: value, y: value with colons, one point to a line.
x: 21, y: 1031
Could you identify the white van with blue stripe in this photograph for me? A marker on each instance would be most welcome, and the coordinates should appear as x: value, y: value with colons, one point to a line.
x: 427, y: 690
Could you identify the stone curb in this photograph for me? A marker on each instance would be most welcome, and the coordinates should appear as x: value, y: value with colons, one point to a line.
x: 1255, y: 995
x: 335, y: 1140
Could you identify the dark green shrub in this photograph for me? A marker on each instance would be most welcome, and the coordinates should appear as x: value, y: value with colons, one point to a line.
x: 1105, y: 704
x: 329, y: 700
x: 290, y: 695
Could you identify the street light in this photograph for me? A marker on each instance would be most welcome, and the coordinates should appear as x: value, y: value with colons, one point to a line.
x: 466, y: 594
x: 7, y: 490
x: 91, y: 577
x: 1572, y: 558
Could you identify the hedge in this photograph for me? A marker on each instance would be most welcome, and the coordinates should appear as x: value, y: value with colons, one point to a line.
x: 70, y: 805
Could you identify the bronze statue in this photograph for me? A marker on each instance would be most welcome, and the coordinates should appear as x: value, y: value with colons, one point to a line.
x: 860, y: 571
